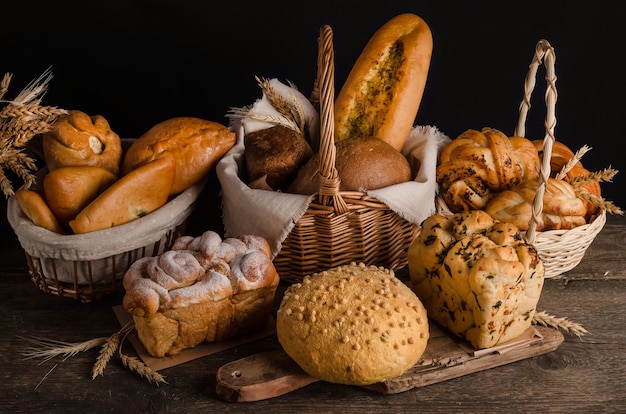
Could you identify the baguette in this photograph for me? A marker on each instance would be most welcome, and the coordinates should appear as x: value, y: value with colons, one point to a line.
x: 384, y: 89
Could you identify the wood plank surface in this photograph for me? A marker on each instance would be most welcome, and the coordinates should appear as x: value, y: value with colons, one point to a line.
x: 582, y: 375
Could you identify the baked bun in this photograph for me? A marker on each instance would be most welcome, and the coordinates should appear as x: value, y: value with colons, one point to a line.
x: 276, y: 153
x: 476, y: 276
x: 366, y: 163
x: 561, y: 155
x: 77, y: 139
x: 204, y: 289
x: 478, y: 163
x: 353, y: 324
x: 562, y: 209
x: 133, y: 196
x: 34, y: 206
x: 197, y: 145
x: 69, y: 189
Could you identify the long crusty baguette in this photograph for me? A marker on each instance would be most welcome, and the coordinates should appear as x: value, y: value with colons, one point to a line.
x: 384, y: 89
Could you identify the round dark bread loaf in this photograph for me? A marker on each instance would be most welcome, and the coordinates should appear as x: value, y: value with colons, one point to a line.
x: 362, y: 164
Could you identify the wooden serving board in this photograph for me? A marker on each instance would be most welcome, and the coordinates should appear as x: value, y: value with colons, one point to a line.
x: 273, y: 373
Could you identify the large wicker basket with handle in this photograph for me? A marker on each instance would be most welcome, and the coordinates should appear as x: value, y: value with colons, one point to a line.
x: 560, y: 250
x: 340, y: 227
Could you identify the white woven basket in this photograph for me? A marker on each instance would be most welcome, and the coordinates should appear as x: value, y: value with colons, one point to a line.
x: 560, y: 250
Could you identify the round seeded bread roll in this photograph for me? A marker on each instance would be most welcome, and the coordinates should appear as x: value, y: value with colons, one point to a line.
x: 362, y: 164
x: 353, y: 324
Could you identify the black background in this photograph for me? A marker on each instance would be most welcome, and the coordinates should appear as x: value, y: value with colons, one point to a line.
x: 141, y: 62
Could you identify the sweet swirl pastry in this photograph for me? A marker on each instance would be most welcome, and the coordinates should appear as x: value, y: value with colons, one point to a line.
x: 204, y: 289
x: 478, y: 163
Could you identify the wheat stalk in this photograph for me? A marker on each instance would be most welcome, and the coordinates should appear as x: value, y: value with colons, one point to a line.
x: 50, y: 348
x: 142, y: 369
x: 572, y: 162
x: 106, y: 352
x: 135, y: 365
x: 21, y: 119
x: 544, y: 319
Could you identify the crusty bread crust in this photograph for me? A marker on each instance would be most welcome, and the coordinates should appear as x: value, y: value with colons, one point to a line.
x: 68, y: 190
x: 134, y: 195
x: 197, y: 144
x: 78, y: 139
x: 383, y: 92
x: 34, y: 206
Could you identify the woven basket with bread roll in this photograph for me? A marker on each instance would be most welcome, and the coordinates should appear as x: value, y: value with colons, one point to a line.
x: 360, y: 177
x: 102, y: 202
x: 540, y: 186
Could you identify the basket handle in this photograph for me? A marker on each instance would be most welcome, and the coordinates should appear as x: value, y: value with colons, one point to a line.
x: 329, y: 179
x: 543, y: 52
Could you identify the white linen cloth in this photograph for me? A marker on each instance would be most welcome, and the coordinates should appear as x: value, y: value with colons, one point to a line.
x: 273, y: 214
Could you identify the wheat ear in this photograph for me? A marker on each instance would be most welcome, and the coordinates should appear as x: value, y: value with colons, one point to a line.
x: 544, y: 319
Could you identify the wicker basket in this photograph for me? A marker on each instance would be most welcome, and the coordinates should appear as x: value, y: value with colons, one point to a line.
x: 90, y: 266
x: 560, y: 250
x: 340, y: 227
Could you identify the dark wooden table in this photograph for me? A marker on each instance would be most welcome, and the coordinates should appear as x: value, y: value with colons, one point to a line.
x: 584, y: 375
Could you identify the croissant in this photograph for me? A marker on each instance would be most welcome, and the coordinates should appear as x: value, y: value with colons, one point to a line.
x: 562, y: 209
x: 478, y: 163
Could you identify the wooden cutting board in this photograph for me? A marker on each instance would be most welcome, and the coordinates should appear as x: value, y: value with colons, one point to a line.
x: 273, y: 373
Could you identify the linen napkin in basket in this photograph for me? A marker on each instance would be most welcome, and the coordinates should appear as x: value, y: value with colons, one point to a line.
x: 272, y: 214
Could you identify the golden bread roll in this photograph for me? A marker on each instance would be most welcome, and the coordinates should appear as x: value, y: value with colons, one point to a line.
x: 352, y: 324
x: 78, y: 139
x: 362, y: 164
x: 196, y: 143
x: 69, y: 189
x: 276, y: 153
x: 134, y: 195
x: 561, y: 155
x: 562, y: 209
x: 478, y: 163
x: 204, y: 289
x: 36, y: 209
x: 383, y: 92
x: 477, y: 277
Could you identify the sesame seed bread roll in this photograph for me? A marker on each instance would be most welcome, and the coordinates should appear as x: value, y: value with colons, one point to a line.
x: 353, y: 324
x: 384, y: 89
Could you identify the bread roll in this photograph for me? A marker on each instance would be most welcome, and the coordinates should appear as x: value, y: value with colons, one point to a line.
x: 478, y: 163
x: 561, y: 155
x: 352, y: 324
x: 197, y: 145
x: 383, y: 92
x: 70, y: 189
x: 476, y: 276
x: 277, y: 153
x: 562, y: 209
x: 204, y: 289
x: 362, y: 164
x: 134, y: 195
x: 36, y: 209
x: 78, y: 139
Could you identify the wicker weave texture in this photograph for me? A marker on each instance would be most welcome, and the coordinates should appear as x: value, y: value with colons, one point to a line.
x: 340, y: 227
